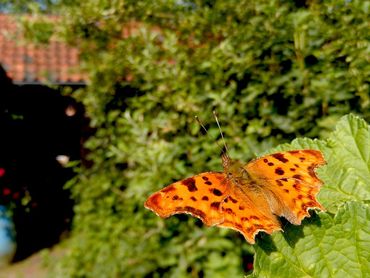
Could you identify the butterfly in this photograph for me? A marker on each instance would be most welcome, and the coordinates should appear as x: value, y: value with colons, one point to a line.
x: 247, y: 197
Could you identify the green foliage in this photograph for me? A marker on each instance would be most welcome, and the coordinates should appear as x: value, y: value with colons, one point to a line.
x: 273, y: 70
x: 325, y: 246
x: 348, y: 171
x: 335, y: 243
x: 38, y: 31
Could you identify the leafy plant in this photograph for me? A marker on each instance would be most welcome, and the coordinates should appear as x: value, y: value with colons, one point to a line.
x: 274, y: 70
x: 334, y: 243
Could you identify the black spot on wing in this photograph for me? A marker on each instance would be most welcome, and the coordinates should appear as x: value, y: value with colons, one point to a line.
x: 216, y: 192
x: 311, y: 204
x: 229, y: 211
x: 195, y: 211
x: 237, y: 225
x: 215, y: 205
x: 280, y: 157
x: 233, y: 200
x: 279, y: 171
x: 190, y: 184
x: 279, y: 183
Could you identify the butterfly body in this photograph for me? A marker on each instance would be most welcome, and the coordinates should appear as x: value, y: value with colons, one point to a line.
x: 247, y: 197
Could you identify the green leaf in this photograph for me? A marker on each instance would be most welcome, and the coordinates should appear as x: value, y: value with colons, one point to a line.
x: 323, y: 246
x: 347, y: 152
x: 347, y: 175
x: 326, y: 245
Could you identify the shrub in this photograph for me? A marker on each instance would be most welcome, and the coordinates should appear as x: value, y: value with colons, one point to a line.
x: 274, y: 70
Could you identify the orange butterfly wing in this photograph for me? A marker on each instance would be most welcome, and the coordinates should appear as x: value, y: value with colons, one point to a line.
x: 212, y: 198
x: 248, y: 214
x: 283, y: 184
x: 200, y: 196
x: 289, y: 182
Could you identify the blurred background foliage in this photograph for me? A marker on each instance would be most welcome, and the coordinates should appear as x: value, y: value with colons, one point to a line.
x: 273, y: 70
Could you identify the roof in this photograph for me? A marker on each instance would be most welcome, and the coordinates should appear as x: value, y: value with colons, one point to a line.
x: 27, y: 63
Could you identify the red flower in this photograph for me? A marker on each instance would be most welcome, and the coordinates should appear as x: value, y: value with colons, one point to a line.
x: 2, y: 172
x: 6, y: 191
x: 15, y: 195
x: 250, y: 266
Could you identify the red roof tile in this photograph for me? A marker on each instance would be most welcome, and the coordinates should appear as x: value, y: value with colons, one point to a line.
x: 55, y: 63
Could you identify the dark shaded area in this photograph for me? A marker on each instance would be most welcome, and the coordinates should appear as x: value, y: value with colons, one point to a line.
x: 37, y: 124
x: 247, y: 262
x: 266, y: 243
x: 293, y: 233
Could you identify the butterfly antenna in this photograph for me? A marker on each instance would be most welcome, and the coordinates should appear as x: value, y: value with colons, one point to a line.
x: 206, y: 131
x: 201, y: 124
x: 222, y: 135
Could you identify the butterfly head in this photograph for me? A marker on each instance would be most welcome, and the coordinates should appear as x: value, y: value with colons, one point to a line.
x: 232, y: 168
